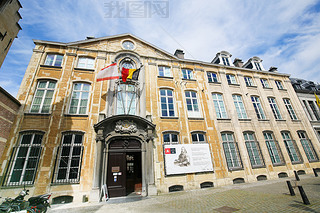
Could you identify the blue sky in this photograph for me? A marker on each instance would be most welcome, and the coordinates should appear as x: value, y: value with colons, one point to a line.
x: 283, y: 33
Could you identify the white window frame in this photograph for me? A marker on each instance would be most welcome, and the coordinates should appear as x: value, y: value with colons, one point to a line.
x: 212, y: 77
x: 258, y: 107
x: 194, y: 112
x: 86, y: 62
x: 291, y: 147
x: 307, y: 146
x: 46, y: 91
x: 171, y: 136
x: 273, y: 149
x: 187, y: 74
x: 274, y: 108
x: 248, y: 80
x: 253, y: 148
x: 219, y: 105
x: 198, y: 137
x: 69, y: 156
x: 32, y: 154
x: 231, y: 79
x: 290, y: 109
x: 54, y: 61
x: 168, y: 105
x: 265, y: 83
x: 126, y: 99
x: 241, y: 111
x: 164, y: 71
x: 279, y: 84
x: 225, y: 60
x: 82, y: 92
x: 257, y: 65
x: 231, y: 151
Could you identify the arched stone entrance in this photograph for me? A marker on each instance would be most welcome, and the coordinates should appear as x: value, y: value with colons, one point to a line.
x: 124, y: 155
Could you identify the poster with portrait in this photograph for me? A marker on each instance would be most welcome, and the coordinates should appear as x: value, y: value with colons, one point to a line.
x: 187, y: 158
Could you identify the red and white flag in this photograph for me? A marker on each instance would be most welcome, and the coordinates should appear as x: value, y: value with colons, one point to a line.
x: 108, y: 73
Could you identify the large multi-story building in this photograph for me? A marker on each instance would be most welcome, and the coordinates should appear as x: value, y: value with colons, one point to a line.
x: 179, y: 124
x: 9, y: 26
x: 306, y: 92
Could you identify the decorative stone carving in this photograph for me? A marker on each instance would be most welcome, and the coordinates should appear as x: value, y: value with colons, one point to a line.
x: 125, y: 127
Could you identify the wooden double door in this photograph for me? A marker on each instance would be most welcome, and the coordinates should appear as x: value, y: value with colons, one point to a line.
x: 124, y: 175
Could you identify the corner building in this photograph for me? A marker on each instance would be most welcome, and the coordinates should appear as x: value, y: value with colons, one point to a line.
x: 184, y: 124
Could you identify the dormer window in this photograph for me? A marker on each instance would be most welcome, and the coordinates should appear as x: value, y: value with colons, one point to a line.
x: 254, y: 63
x: 257, y: 65
x: 222, y: 58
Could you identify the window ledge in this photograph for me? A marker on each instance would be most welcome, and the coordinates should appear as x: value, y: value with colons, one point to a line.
x: 165, y: 77
x: 258, y: 167
x: 234, y: 169
x: 263, y: 120
x: 37, y: 114
x: 282, y: 89
x: 295, y: 163
x: 195, y: 118
x: 49, y: 66
x: 59, y: 184
x: 253, y: 86
x: 189, y: 79
x: 296, y: 120
x: 279, y: 164
x: 75, y: 115
x: 270, y: 88
x: 280, y: 120
x: 224, y: 119
x: 235, y: 85
x: 83, y: 69
x: 214, y: 82
x: 164, y: 117
x: 244, y: 119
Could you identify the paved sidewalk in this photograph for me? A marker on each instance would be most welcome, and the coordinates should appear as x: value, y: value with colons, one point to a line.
x: 262, y: 196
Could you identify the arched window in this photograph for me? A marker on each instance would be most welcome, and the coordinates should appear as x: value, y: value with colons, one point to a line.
x: 241, y: 111
x: 291, y: 147
x: 170, y: 138
x: 43, y: 96
x: 53, y: 60
x: 167, y: 103
x: 273, y: 148
x: 192, y: 104
x: 253, y: 149
x: 79, y: 99
x: 307, y: 146
x: 231, y: 151
x: 219, y: 105
x: 126, y: 99
x: 198, y: 137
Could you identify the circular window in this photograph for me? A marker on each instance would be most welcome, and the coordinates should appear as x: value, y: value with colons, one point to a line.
x: 128, y: 45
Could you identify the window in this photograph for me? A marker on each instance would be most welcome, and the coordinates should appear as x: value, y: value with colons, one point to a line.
x: 279, y: 85
x: 69, y: 158
x: 274, y: 108
x: 307, y: 147
x: 225, y: 60
x: 231, y: 79
x: 86, y: 63
x: 43, y: 97
x: 314, y: 110
x: 198, y: 138
x: 187, y: 74
x: 264, y: 83
x: 170, y: 138
x: 248, y: 81
x: 219, y: 105
x: 8, y: 45
x: 273, y: 148
x: 257, y: 107
x: 192, y: 104
x: 54, y: 60
x: 167, y: 107
x: 126, y: 99
x: 239, y: 106
x: 307, y: 109
x: 212, y: 77
x: 26, y: 159
x: 164, y: 71
x: 289, y: 107
x: 231, y: 151
x: 253, y: 149
x: 257, y: 65
x: 79, y: 99
x: 291, y: 147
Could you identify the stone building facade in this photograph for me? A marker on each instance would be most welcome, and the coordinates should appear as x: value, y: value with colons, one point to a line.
x: 9, y: 107
x: 9, y: 26
x: 183, y: 124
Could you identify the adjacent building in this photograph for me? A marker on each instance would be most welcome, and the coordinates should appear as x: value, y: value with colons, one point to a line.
x: 180, y: 124
x: 9, y: 26
x: 306, y: 92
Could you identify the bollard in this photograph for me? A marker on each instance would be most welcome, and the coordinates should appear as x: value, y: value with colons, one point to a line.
x: 303, y: 195
x: 296, y: 175
x: 315, y: 172
x: 290, y: 188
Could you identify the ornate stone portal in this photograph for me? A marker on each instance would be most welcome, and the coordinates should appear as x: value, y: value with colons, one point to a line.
x: 124, y: 128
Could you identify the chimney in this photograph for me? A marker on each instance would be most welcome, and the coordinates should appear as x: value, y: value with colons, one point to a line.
x: 273, y: 69
x: 238, y: 62
x: 179, y: 53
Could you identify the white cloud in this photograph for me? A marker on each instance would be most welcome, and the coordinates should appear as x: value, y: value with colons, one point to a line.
x: 283, y: 33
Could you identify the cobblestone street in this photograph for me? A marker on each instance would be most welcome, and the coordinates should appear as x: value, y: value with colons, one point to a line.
x: 263, y: 196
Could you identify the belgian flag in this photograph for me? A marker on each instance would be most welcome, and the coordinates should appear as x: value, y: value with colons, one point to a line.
x: 132, y: 74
